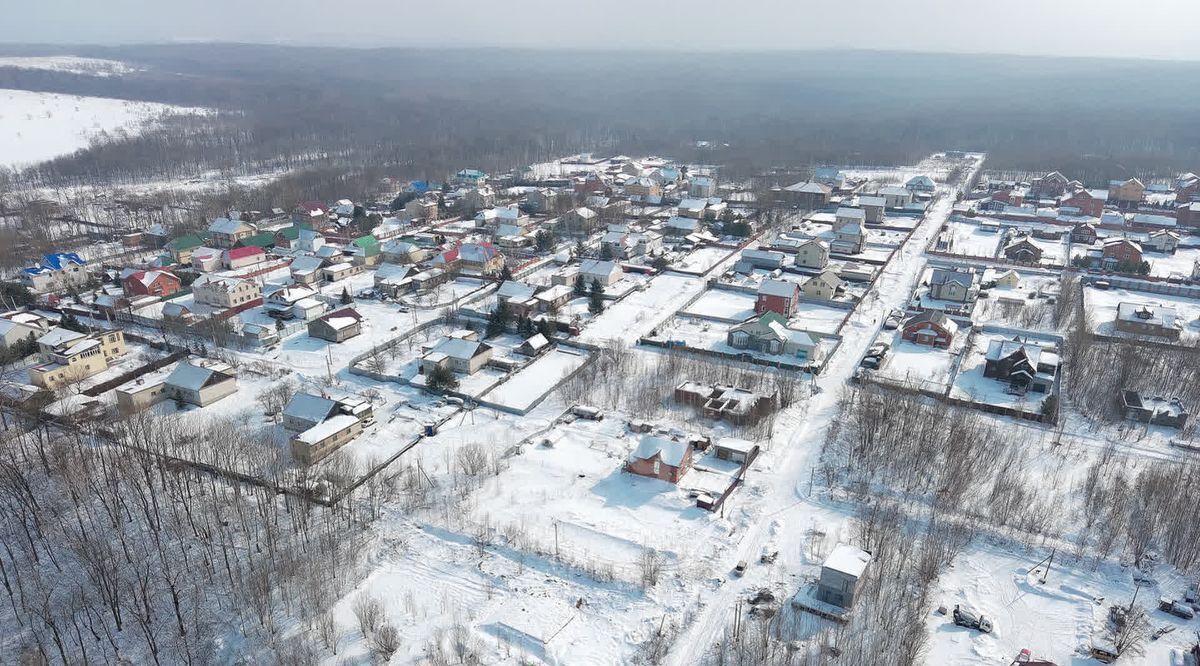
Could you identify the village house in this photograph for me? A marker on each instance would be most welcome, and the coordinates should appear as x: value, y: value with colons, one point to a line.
x: 1084, y: 234
x: 823, y: 287
x: 895, y: 197
x: 872, y: 208
x: 813, y: 253
x: 226, y: 233
x: 956, y: 284
x: 840, y: 574
x: 554, y: 297
x: 542, y: 200
x: 1154, y: 410
x: 1147, y: 319
x: 579, y: 221
x: 56, y: 272
x: 150, y: 283
x: 226, y: 292
x: 463, y: 355
x: 323, y: 425
x: 306, y: 269
x: 392, y: 280
x: 1126, y: 193
x: 480, y: 259
x: 207, y: 259
x: 1050, y: 186
x: 829, y: 176
x: 1187, y: 188
x: 1188, y: 214
x: 470, y: 177
x: 403, y: 252
x: 518, y: 296
x: 807, y: 196
x: 1118, y: 251
x: 68, y: 356
x: 607, y: 273
x: 931, y: 327
x: 477, y: 198
x: 779, y: 296
x: 920, y: 184
x: 1023, y: 250
x: 593, y: 183
x: 677, y: 226
x: 693, y: 208
x: 768, y: 334
x: 643, y: 188
x: 284, y: 298
x: 340, y: 271
x: 533, y: 346
x: 16, y: 327
x: 1162, y: 241
x: 200, y: 382
x: 1085, y: 202
x: 764, y: 259
x: 702, y: 187
x: 337, y: 326
x: 422, y: 209
x: 181, y: 248
x: 1024, y: 365
x: 735, y: 450
x: 660, y: 458
x: 241, y: 257
x: 848, y: 231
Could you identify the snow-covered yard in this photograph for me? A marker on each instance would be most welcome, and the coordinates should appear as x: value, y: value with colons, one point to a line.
x: 702, y: 259
x: 1101, y: 308
x: 920, y: 366
x: 534, y: 380
x: 722, y: 304
x: 971, y: 384
x: 630, y: 318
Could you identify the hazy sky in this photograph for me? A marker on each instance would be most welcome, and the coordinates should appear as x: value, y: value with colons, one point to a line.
x: 1118, y: 28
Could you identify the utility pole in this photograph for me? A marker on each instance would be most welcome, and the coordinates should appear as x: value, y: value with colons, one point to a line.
x: 1137, y: 586
x: 1048, y: 565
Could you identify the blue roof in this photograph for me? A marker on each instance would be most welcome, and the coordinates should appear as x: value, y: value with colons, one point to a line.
x: 470, y: 173
x: 827, y: 172
x: 56, y: 260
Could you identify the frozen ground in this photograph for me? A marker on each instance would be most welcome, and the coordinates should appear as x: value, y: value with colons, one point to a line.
x: 1055, y: 620
x: 632, y: 317
x: 37, y: 126
x: 723, y: 304
x: 535, y: 379
x: 702, y: 259
x: 1178, y: 265
x: 920, y: 365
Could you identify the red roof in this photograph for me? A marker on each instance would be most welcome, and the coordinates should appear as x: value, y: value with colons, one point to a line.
x: 311, y: 206
x: 344, y: 312
x: 243, y: 252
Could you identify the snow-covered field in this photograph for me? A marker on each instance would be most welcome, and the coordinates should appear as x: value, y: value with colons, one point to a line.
x: 702, y: 259
x: 723, y: 304
x: 921, y: 366
x: 1178, y: 265
x: 37, y: 126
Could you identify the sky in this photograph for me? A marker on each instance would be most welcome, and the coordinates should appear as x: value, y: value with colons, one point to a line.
x: 1158, y: 29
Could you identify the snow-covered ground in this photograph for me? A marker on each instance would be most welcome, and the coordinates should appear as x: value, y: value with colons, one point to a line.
x: 535, y: 379
x: 633, y: 316
x: 37, y: 126
x: 921, y: 366
x: 723, y: 304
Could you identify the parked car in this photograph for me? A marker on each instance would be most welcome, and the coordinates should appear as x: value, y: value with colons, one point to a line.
x: 892, y: 321
x: 1176, y: 608
x: 1101, y: 284
x: 870, y: 362
x: 740, y: 568
x: 879, y: 349
x: 967, y: 618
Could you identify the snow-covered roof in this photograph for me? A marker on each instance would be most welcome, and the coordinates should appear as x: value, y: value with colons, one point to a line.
x: 670, y: 452
x: 326, y: 429
x: 309, y: 407
x: 192, y: 377
x: 57, y: 336
x: 847, y: 559
x: 597, y: 267
x: 224, y: 225
x: 778, y: 288
x: 513, y: 290
x: 852, y: 213
x: 1148, y: 314
x: 458, y: 348
x: 872, y: 201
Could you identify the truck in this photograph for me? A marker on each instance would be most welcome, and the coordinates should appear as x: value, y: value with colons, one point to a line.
x: 965, y: 617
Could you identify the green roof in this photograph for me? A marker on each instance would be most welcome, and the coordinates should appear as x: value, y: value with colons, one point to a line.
x: 290, y: 233
x: 264, y: 239
x: 186, y: 242
x: 369, y: 245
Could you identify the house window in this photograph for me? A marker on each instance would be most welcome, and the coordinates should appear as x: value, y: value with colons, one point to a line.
x: 656, y: 467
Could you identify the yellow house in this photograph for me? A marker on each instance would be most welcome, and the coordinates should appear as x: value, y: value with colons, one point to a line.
x: 1127, y: 191
x: 70, y: 356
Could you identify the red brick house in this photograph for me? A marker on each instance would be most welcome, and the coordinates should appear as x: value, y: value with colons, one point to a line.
x: 778, y: 296
x: 150, y: 283
x: 1120, y: 250
x: 1188, y: 215
x: 591, y: 184
x: 1087, y: 204
x: 660, y: 458
x: 1187, y: 188
x: 931, y: 327
x: 1084, y: 234
x: 1009, y: 197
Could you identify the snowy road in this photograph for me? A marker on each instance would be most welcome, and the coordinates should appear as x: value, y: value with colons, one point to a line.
x: 784, y: 499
